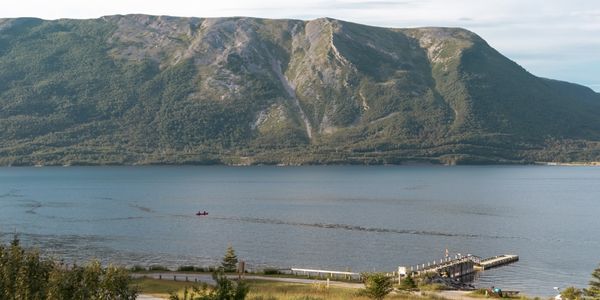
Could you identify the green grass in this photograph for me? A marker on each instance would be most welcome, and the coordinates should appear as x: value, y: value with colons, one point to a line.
x: 159, y: 288
x: 480, y: 293
x: 260, y: 289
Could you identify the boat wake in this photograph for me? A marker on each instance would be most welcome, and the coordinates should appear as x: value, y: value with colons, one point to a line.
x: 358, y: 228
x: 142, y: 208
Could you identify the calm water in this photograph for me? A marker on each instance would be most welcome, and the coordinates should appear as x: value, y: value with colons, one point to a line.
x: 362, y: 218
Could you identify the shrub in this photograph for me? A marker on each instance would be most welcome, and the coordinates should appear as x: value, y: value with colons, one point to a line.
x: 571, y: 293
x: 377, y: 285
x: 212, y: 269
x: 594, y: 290
x: 407, y: 283
x: 271, y: 271
x: 225, y: 289
x: 158, y: 268
x: 137, y: 268
x: 186, y: 269
x: 25, y: 275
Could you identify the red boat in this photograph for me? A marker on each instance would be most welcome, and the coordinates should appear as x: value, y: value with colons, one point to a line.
x: 202, y: 213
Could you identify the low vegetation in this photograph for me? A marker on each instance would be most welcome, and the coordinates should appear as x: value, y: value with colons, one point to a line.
x: 377, y: 285
x: 267, y: 290
x: 407, y: 283
x: 571, y: 293
x: 224, y: 289
x: 594, y: 289
x: 24, y: 274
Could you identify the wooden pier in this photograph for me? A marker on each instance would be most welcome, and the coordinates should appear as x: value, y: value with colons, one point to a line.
x: 325, y: 273
x: 496, y: 261
x: 458, y: 266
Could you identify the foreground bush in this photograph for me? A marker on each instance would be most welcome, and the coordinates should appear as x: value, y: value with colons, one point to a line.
x: 571, y: 293
x: 224, y: 289
x: 271, y: 271
x: 594, y: 290
x: 25, y: 275
x: 377, y: 285
x: 408, y: 283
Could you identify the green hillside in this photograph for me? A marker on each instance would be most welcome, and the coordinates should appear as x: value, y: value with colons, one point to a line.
x: 140, y: 89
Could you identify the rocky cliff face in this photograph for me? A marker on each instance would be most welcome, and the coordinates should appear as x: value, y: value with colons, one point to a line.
x: 149, y: 89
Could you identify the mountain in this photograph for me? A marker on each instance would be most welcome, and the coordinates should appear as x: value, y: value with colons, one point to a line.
x: 140, y: 89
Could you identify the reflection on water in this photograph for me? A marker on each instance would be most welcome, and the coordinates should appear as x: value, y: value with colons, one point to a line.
x: 358, y: 218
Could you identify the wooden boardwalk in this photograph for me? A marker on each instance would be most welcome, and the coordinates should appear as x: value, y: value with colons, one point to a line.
x: 459, y: 266
x: 496, y: 261
x: 450, y: 267
x: 325, y: 273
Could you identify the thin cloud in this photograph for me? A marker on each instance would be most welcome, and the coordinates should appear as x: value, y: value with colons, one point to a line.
x: 362, y: 5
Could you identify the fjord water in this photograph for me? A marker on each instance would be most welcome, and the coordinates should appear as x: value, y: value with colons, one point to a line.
x: 329, y: 217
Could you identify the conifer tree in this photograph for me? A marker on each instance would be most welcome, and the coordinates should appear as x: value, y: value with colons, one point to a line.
x: 408, y: 283
x: 377, y: 285
x: 230, y: 260
x: 594, y: 290
x: 571, y: 293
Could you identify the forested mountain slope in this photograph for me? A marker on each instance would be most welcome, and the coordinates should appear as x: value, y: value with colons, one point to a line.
x: 141, y: 89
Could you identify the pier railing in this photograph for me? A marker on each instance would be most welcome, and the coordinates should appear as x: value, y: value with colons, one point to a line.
x: 442, y: 263
x: 325, y: 273
x: 458, y: 265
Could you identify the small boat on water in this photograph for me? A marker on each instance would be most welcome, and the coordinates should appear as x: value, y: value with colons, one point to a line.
x: 202, y: 213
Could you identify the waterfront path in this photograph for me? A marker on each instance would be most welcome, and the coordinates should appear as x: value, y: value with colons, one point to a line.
x: 207, y: 278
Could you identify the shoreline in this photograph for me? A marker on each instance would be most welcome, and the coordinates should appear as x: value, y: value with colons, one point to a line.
x: 573, y: 164
x: 283, y: 165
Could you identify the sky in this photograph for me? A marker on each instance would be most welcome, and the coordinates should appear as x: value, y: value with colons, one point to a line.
x: 558, y: 39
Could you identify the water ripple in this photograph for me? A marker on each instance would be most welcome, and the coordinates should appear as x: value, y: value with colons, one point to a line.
x: 358, y: 228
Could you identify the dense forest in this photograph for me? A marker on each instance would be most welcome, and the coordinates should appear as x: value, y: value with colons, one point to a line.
x: 140, y: 89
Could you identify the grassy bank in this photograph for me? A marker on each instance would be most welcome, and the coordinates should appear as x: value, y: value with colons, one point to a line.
x: 266, y: 290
